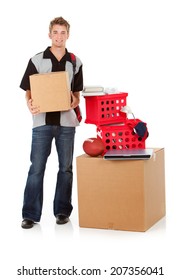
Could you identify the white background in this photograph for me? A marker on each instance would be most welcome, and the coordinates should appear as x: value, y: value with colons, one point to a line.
x: 132, y: 45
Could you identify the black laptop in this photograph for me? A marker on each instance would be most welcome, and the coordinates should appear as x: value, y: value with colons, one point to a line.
x: 128, y: 154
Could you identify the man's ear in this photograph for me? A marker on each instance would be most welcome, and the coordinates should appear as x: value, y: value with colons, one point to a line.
x: 49, y: 35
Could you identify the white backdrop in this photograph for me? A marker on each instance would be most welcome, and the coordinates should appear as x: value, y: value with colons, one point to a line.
x: 132, y: 45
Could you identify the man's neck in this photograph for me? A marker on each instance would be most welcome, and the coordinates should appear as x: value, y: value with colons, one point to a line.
x: 58, y: 52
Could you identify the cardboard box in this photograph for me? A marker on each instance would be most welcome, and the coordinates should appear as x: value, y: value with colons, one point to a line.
x: 51, y: 91
x: 121, y: 195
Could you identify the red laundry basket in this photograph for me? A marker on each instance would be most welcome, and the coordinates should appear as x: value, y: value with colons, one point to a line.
x: 105, y: 109
x: 120, y: 136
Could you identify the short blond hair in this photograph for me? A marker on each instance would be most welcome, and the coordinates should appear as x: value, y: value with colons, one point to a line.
x: 60, y: 21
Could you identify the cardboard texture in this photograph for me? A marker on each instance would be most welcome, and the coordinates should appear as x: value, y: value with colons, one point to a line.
x: 51, y: 91
x: 121, y: 195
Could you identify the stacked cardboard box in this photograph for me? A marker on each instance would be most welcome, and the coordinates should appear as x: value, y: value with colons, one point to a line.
x: 121, y: 195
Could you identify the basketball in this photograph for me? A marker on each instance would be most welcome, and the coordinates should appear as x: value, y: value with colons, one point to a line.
x: 93, y: 147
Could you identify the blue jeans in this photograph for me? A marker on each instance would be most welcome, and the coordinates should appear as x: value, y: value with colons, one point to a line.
x: 40, y: 150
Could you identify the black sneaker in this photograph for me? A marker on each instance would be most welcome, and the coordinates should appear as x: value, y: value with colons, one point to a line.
x: 62, y: 219
x: 26, y: 223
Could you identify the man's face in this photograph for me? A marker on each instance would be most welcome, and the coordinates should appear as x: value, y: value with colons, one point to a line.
x: 58, y: 35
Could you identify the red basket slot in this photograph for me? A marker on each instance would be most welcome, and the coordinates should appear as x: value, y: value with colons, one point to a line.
x: 105, y: 109
x: 120, y: 136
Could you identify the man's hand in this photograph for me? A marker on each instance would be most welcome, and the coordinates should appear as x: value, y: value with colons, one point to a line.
x: 33, y: 109
x: 75, y: 97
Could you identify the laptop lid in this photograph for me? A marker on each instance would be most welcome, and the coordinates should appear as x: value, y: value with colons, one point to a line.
x: 128, y: 154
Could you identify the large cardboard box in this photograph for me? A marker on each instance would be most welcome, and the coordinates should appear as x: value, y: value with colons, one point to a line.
x: 51, y: 91
x: 121, y: 195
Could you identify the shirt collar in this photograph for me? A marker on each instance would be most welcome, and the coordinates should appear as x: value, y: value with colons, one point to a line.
x: 48, y: 54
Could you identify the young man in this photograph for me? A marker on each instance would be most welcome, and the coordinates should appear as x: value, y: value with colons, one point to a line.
x: 52, y: 125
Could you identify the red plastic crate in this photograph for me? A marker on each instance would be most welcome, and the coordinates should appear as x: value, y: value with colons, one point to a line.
x: 120, y: 136
x: 105, y: 109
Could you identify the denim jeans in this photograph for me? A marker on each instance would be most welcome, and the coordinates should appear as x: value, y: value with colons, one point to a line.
x: 40, y: 150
